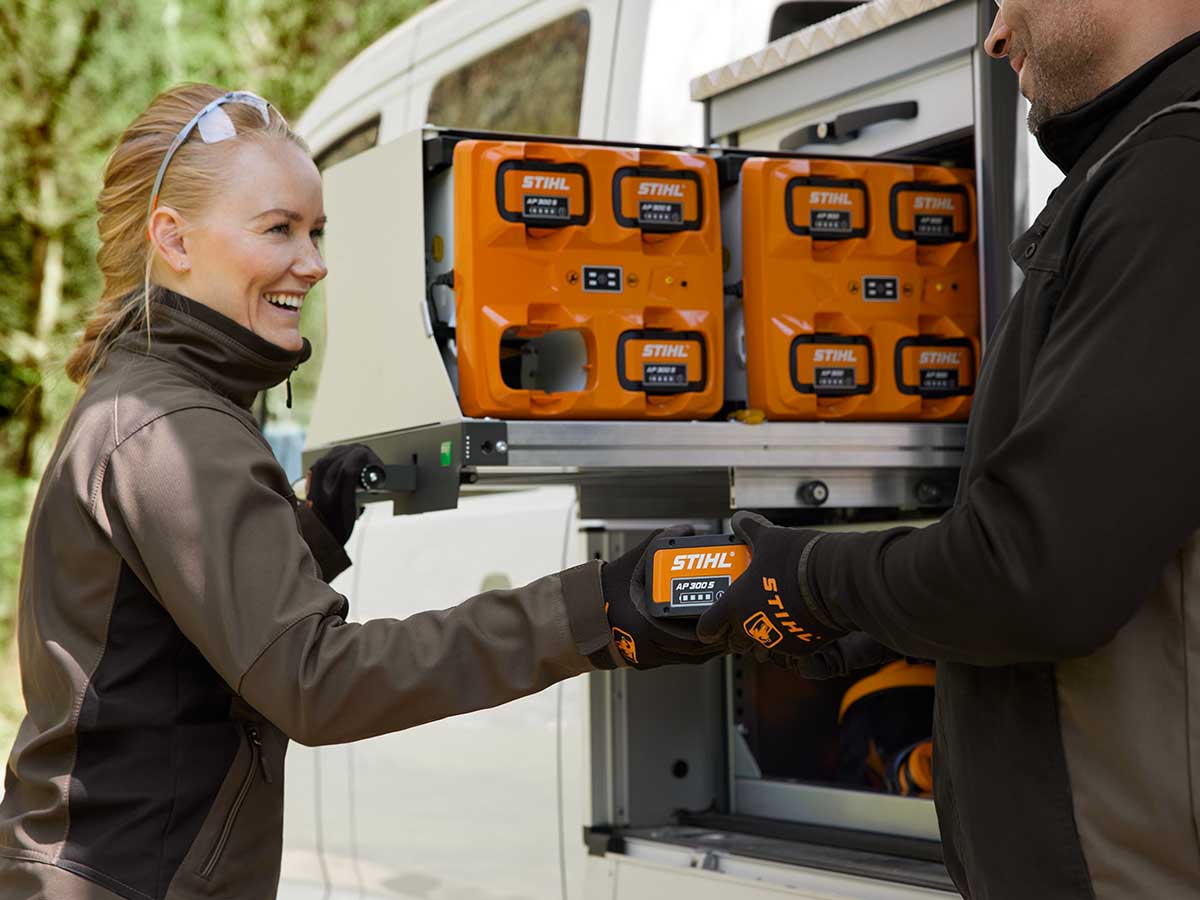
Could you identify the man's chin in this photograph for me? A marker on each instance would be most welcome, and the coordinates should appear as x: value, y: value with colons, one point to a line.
x: 1038, y: 115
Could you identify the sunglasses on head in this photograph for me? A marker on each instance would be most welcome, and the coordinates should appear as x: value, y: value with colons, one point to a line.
x: 213, y: 125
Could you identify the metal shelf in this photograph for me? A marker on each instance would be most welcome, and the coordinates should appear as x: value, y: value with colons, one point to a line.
x: 640, y: 469
x: 771, y: 445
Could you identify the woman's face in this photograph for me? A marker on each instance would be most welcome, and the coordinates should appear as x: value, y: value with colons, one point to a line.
x: 253, y: 253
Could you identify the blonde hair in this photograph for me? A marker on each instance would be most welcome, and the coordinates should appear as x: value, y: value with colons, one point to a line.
x: 197, y: 171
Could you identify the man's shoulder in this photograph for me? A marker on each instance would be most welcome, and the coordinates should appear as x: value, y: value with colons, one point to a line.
x: 1168, y: 138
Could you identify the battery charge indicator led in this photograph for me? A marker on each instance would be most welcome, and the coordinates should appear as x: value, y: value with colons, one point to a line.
x: 698, y: 591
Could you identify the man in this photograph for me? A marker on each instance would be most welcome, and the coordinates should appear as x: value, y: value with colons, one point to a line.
x: 1061, y: 595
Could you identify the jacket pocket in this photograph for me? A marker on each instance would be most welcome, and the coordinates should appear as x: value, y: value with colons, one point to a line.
x: 257, y: 769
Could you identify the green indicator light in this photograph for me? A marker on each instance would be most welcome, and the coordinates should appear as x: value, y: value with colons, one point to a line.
x: 447, y: 453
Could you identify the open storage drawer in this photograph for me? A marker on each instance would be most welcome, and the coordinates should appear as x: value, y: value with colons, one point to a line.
x: 735, y: 763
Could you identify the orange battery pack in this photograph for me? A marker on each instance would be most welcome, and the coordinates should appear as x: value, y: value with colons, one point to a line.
x: 689, y: 574
x: 860, y: 289
x: 588, y: 281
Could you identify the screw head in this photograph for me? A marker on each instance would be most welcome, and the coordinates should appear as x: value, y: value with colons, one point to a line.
x: 908, y: 289
x: 814, y: 493
x: 633, y: 280
x: 854, y: 287
x: 572, y: 278
x: 501, y: 446
x: 929, y: 493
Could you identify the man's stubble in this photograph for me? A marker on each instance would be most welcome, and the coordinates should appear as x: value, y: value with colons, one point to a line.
x: 1065, y: 53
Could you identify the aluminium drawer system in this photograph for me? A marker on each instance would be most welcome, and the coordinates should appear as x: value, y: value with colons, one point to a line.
x: 895, y: 77
x: 682, y: 783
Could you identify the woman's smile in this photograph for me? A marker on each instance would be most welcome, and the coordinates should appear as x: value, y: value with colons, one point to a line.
x: 287, y: 303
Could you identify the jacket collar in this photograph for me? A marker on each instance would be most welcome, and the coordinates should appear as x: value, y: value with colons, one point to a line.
x: 226, y: 357
x: 1076, y: 139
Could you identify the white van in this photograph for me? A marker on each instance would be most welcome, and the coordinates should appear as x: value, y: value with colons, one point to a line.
x: 489, y: 805
x: 492, y: 805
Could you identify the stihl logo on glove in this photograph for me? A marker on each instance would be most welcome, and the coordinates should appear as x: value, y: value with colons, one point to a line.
x: 625, y: 643
x: 760, y: 627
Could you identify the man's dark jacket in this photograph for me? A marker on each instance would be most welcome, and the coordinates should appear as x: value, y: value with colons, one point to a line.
x: 1061, y: 595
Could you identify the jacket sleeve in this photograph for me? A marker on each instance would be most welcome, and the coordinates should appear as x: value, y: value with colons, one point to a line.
x: 1075, y: 515
x: 331, y: 556
x: 193, y: 508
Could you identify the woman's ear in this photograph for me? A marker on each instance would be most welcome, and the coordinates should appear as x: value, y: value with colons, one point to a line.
x: 167, y: 229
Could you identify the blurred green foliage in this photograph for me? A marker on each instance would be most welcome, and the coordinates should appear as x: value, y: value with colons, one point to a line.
x: 73, y: 74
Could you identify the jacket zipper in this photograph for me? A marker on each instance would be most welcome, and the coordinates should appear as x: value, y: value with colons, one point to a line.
x: 256, y: 762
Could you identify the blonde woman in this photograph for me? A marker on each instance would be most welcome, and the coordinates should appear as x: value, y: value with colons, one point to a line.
x: 176, y: 627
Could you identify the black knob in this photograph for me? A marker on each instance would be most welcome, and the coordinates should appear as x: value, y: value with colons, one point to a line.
x: 372, y: 477
x: 929, y: 493
x: 814, y: 493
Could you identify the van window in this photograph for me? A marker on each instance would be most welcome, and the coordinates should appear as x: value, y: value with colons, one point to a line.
x: 796, y: 16
x: 533, y: 84
x: 364, y: 137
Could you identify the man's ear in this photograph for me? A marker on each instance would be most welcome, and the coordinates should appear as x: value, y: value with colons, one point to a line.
x: 167, y: 228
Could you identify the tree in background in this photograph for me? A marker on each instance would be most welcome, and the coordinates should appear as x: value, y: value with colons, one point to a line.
x: 73, y: 74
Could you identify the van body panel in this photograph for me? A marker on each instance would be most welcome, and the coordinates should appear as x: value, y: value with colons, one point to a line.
x: 356, y: 390
x: 468, y: 806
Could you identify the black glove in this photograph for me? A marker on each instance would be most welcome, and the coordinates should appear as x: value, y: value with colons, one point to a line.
x: 648, y: 643
x: 833, y: 660
x: 332, y: 483
x: 767, y: 605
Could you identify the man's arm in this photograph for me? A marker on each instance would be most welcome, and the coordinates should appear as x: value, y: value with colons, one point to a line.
x: 1076, y: 513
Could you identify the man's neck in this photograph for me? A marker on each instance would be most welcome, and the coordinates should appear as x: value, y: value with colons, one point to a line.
x: 1139, y: 40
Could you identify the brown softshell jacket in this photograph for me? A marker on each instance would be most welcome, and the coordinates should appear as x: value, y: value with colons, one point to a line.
x: 175, y: 631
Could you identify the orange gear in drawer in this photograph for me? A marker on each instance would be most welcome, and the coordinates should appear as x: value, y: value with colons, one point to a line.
x: 588, y: 281
x: 860, y: 289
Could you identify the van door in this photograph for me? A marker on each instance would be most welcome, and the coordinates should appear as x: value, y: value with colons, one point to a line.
x: 468, y: 806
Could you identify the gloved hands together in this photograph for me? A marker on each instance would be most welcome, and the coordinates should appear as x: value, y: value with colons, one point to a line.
x: 332, y: 483
x: 644, y: 642
x: 769, y: 606
x: 835, y: 659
